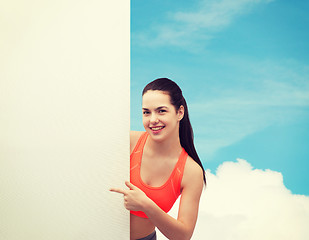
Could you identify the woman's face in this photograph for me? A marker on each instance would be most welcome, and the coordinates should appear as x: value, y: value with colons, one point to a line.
x: 160, y: 118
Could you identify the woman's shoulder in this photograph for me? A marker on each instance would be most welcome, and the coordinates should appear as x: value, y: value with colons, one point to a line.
x: 134, y: 136
x: 192, y: 172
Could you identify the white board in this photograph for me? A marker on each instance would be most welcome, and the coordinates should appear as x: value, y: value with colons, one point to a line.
x: 64, y: 119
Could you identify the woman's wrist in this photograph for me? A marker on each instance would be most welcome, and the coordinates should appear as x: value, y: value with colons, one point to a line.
x: 147, y: 205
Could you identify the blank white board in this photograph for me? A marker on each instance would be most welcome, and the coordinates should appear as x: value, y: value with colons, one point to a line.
x: 64, y: 119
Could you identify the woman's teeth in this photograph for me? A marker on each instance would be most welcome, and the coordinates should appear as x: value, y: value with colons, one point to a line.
x: 156, y: 128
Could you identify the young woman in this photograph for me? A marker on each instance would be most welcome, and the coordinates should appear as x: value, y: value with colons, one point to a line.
x: 163, y: 165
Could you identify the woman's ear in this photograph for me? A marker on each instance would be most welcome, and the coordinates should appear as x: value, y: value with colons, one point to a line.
x: 180, y: 112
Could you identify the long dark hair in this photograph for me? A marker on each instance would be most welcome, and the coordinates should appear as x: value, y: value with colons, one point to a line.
x: 185, y: 128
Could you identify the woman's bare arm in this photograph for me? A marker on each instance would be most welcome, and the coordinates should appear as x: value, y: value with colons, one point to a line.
x: 183, y: 226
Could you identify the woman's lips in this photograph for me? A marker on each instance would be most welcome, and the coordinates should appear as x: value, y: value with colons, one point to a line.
x: 156, y: 129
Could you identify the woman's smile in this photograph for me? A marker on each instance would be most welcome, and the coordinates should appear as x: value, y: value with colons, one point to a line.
x: 156, y: 129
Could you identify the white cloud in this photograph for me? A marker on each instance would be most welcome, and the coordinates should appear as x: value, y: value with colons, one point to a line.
x: 216, y: 13
x: 184, y: 28
x: 242, y: 203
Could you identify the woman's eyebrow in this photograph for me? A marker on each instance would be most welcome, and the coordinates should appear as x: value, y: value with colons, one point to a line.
x: 158, y: 108
x: 161, y: 107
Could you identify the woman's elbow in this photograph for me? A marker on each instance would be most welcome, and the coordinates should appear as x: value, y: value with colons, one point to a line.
x: 184, y: 235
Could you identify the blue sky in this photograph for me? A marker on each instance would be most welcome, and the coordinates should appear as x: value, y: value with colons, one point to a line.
x: 243, y: 67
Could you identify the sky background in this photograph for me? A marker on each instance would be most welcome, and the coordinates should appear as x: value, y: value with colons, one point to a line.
x: 244, y: 71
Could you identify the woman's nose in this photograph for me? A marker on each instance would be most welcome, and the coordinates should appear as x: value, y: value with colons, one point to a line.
x: 154, y: 118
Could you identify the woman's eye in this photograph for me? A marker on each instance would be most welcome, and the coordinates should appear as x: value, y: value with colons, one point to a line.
x: 162, y: 111
x: 145, y: 112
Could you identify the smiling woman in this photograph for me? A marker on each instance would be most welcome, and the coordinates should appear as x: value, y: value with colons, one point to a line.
x: 163, y: 165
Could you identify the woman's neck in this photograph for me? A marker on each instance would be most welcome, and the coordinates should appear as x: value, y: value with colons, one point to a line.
x: 169, y: 146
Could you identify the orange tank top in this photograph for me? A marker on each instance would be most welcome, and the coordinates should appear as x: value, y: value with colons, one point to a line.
x: 165, y: 195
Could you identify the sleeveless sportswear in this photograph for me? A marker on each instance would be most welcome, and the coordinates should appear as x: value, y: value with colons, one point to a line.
x: 165, y: 195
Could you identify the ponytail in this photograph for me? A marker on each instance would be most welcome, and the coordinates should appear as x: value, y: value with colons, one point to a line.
x: 187, y: 138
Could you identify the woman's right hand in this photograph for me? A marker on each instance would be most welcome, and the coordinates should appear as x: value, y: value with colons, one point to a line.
x: 134, y: 198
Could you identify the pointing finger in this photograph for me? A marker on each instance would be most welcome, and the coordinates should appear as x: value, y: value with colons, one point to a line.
x: 118, y: 190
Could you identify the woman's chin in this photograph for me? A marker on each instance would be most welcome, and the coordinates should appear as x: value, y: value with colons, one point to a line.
x: 157, y: 135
